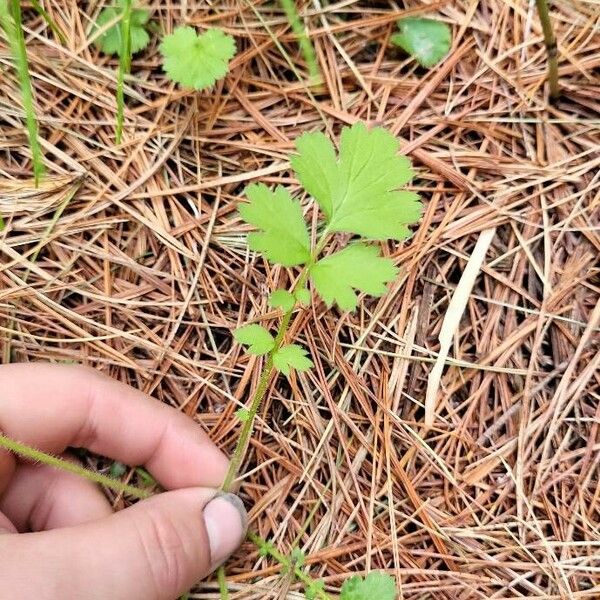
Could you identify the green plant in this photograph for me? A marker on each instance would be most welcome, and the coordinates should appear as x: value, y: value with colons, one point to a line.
x: 108, y: 27
x: 306, y: 47
x: 551, y: 48
x: 197, y: 61
x: 11, y: 23
x: 358, y: 193
x: 426, y: 40
x: 122, y: 31
x: 374, y: 585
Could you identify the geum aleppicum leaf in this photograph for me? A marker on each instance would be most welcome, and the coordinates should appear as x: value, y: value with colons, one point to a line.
x: 109, y: 42
x: 359, y: 191
x: 357, y: 266
x: 426, y: 40
x: 375, y: 586
x: 291, y: 356
x: 282, y: 299
x: 256, y: 337
x: 197, y: 61
x: 283, y: 237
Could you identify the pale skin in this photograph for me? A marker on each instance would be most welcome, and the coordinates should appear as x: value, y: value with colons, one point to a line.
x: 59, y: 536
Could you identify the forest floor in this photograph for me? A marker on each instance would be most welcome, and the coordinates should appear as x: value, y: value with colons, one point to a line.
x: 133, y: 259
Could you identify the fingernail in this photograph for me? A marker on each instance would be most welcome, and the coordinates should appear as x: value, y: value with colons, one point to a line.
x: 226, y: 522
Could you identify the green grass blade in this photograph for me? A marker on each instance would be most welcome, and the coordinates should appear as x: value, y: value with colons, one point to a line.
x: 124, y: 66
x: 53, y: 26
x: 10, y: 21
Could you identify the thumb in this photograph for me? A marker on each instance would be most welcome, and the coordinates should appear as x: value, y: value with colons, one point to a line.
x: 156, y: 549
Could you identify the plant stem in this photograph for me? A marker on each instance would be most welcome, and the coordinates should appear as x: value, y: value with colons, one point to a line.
x: 288, y: 564
x: 10, y: 21
x: 551, y: 47
x: 124, y: 66
x: 53, y: 26
x: 222, y: 583
x: 308, y: 51
x: 265, y: 376
x: 58, y: 463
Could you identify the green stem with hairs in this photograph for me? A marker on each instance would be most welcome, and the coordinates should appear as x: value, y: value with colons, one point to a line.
x: 11, y: 23
x: 124, y: 66
x: 267, y: 372
x: 308, y: 51
x: 261, y: 389
x: 222, y: 584
x: 58, y: 463
x: 551, y: 48
x: 38, y: 456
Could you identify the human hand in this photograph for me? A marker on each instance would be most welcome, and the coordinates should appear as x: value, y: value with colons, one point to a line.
x: 59, y: 537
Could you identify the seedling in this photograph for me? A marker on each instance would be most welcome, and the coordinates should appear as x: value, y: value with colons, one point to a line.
x: 10, y: 22
x: 126, y: 36
x: 109, y: 22
x: 358, y: 192
x: 197, y: 61
x: 426, y: 40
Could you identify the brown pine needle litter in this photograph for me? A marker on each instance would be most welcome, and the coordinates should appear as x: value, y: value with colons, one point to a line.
x: 132, y: 259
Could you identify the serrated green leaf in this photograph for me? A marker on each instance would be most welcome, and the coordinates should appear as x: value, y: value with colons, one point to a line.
x: 243, y: 414
x: 315, y: 590
x: 426, y: 40
x: 317, y: 169
x: 290, y: 357
x: 256, y: 337
x: 359, y: 192
x: 303, y: 296
x: 355, y: 267
x: 110, y: 41
x: 378, y: 586
x: 282, y: 299
x: 298, y: 557
x: 283, y: 238
x: 197, y: 61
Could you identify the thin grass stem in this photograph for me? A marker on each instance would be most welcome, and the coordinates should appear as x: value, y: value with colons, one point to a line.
x: 11, y: 23
x: 551, y: 48
x: 49, y: 21
x: 124, y: 66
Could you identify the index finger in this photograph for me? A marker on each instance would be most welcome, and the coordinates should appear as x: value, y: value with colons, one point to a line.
x: 52, y: 407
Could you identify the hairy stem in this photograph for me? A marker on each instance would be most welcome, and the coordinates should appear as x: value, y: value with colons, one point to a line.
x: 10, y: 21
x: 551, y: 47
x: 288, y: 564
x: 308, y: 51
x: 58, y: 463
x: 259, y: 394
x: 222, y: 583
x: 267, y: 372
x: 124, y: 66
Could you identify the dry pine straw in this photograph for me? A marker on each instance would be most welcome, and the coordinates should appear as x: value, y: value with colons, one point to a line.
x: 143, y: 273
